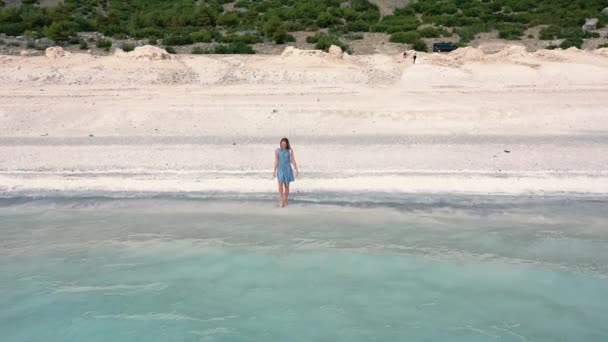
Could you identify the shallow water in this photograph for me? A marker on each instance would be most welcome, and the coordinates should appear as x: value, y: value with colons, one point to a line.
x: 419, y: 268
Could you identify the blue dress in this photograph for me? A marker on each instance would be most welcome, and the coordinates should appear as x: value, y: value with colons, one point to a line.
x: 284, y: 171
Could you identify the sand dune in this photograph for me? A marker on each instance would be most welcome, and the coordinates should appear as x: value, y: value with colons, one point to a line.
x: 502, y: 122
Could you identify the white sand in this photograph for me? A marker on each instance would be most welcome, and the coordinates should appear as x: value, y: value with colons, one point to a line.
x: 360, y: 123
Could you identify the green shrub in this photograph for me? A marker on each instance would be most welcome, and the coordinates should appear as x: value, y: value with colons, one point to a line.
x: 407, y: 11
x: 324, y: 41
x: 178, y: 40
x: 202, y: 36
x: 152, y: 41
x: 325, y: 19
x: 357, y: 26
x: 371, y: 15
x: 353, y: 36
x: 197, y: 50
x: 14, y: 44
x: 603, y: 45
x: 13, y: 28
x: 495, y: 6
x: 280, y: 36
x: 105, y: 44
x: 551, y: 47
x: 83, y: 45
x: 338, y: 30
x: 247, y: 38
x: 228, y: 19
x: 392, y: 24
x: 275, y: 30
x: 553, y: 32
x: 549, y: 32
x: 111, y: 29
x: 31, y: 34
x: 2, y: 42
x: 126, y: 47
x: 430, y: 32
x: 294, y: 26
x: 147, y: 32
x: 510, y: 32
x: 471, y: 12
x: 466, y: 34
x: 170, y: 49
x: 419, y: 45
x: 405, y: 37
x: 233, y: 48
x: 469, y: 33
x: 312, y: 28
x: 30, y: 45
x: 522, y: 6
x: 203, y: 15
x: 313, y: 39
x: 60, y: 31
x: 290, y: 38
x: 571, y: 42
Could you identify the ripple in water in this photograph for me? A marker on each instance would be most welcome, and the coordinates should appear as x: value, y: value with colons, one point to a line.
x: 194, y: 269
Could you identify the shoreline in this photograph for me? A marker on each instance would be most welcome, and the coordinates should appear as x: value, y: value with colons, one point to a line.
x: 491, y: 185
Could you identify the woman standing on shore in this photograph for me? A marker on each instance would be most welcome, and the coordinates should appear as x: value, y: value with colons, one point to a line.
x: 283, y: 159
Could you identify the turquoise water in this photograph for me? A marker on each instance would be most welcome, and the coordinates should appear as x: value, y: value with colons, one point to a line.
x: 414, y: 269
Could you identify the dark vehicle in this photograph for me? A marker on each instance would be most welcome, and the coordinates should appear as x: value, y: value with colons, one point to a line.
x: 444, y: 47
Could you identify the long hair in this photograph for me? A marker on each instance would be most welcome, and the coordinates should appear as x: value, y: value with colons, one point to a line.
x: 287, y: 141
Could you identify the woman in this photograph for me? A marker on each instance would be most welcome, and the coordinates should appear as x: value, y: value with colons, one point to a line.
x: 283, y: 158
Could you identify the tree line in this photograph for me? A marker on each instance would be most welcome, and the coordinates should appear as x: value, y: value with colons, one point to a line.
x: 238, y: 25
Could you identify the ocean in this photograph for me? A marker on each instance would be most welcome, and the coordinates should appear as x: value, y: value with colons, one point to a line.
x: 329, y: 267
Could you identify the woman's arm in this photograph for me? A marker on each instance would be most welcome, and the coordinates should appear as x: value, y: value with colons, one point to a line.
x: 276, y: 162
x: 293, y: 161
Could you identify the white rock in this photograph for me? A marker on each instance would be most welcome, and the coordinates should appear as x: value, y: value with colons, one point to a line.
x: 55, y: 52
x: 335, y: 51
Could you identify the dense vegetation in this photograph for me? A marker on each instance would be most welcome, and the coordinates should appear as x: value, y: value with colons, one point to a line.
x: 510, y: 17
x: 247, y: 22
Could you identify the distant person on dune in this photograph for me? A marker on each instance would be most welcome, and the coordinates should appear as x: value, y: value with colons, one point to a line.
x: 404, y: 55
x: 415, y: 56
x: 283, y: 159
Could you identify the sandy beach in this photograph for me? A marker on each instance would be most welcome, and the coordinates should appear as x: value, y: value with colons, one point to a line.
x: 482, y: 121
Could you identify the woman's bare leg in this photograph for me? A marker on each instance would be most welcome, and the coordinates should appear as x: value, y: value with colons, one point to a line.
x: 286, y: 193
x: 280, y: 194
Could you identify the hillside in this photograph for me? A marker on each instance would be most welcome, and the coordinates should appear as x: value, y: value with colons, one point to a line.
x: 247, y: 26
